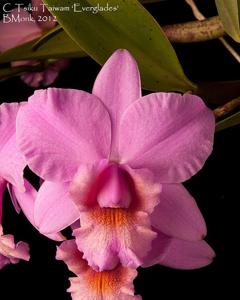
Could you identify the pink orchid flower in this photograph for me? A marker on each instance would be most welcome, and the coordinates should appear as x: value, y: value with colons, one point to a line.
x: 11, y: 172
x: 23, y: 195
x: 89, y: 284
x: 115, y: 160
x: 17, y: 33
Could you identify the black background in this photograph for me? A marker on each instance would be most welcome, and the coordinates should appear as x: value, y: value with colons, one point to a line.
x: 215, y: 187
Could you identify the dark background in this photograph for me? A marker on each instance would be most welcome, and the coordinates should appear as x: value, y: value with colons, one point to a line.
x: 215, y: 187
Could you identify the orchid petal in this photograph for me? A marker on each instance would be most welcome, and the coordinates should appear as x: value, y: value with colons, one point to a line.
x: 178, y: 215
x: 12, y: 162
x: 54, y: 210
x: 26, y: 200
x: 174, y: 142
x: 16, y: 33
x: 118, y: 85
x: 59, y: 129
x: 179, y: 254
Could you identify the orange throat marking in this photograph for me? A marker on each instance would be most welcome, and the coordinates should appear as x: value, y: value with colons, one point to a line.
x: 105, y: 282
x: 111, y: 216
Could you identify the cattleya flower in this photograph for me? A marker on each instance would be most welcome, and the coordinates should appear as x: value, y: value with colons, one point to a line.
x: 11, y: 173
x: 17, y: 33
x: 116, y: 160
x: 23, y: 195
x: 89, y: 284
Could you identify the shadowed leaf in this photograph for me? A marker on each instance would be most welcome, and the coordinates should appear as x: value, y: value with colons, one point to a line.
x: 228, y: 11
x: 228, y: 122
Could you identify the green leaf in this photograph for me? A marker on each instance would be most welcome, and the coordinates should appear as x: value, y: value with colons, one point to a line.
x: 58, y: 45
x: 228, y: 11
x: 228, y: 122
x: 130, y: 27
x: 47, y: 36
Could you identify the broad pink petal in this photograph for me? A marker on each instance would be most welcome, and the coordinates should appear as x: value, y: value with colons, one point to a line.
x: 16, y: 33
x: 39, y: 12
x: 12, y: 162
x: 54, y: 209
x: 59, y: 129
x: 179, y: 254
x: 174, y: 142
x: 118, y: 85
x: 88, y: 285
x: 178, y: 215
x: 118, y: 235
x: 26, y: 200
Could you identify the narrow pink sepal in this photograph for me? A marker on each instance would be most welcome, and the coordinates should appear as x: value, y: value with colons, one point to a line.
x: 178, y: 215
x: 52, y: 200
x: 118, y: 85
x: 26, y: 200
x: 179, y: 254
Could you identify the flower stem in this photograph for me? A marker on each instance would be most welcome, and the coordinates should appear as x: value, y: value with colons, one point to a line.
x: 226, y: 108
x: 195, y: 31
